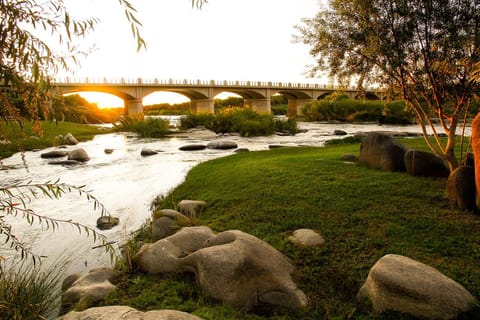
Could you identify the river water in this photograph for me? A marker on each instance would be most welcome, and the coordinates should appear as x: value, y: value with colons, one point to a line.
x: 126, y: 183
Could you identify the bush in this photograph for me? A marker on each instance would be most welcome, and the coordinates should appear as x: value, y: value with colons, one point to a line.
x: 289, y: 125
x: 339, y: 108
x: 29, y: 293
x: 150, y: 127
x: 196, y: 120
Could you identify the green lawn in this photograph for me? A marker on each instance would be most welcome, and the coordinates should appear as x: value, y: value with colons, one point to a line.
x: 362, y: 213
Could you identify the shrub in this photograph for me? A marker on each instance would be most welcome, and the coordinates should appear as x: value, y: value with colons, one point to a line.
x: 196, y: 120
x: 26, y: 292
x: 150, y: 127
x: 289, y: 125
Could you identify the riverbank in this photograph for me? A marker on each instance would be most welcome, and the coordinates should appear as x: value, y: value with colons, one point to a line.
x: 363, y: 214
x: 32, y: 139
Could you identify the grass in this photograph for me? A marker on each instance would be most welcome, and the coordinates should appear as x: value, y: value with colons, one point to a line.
x: 363, y: 214
x: 31, y: 139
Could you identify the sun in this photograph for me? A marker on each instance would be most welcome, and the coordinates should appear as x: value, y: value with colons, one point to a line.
x: 103, y: 100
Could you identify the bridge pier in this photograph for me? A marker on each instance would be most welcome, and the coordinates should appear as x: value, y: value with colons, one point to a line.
x: 258, y: 105
x: 295, y: 106
x: 203, y: 106
x: 133, y: 107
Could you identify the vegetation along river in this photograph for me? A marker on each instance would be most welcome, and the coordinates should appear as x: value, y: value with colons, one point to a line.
x: 126, y: 183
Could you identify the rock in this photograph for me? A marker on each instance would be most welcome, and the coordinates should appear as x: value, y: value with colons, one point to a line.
x: 65, y: 162
x: 70, y: 139
x: 425, y: 164
x: 191, y: 208
x: 382, y: 152
x: 476, y: 153
x: 401, y: 284
x: 307, y: 238
x: 89, y: 288
x: 78, y: 154
x: 107, y: 222
x: 192, y: 147
x: 222, y: 145
x: 460, y: 188
x: 164, y: 255
x: 127, y: 313
x: 349, y: 157
x: 339, y: 133
x: 108, y: 150
x: 148, y: 152
x: 54, y: 154
x: 283, y: 133
x: 277, y: 146
x: 243, y: 271
x: 166, y: 222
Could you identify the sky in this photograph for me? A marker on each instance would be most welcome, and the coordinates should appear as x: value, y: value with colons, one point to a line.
x: 225, y: 40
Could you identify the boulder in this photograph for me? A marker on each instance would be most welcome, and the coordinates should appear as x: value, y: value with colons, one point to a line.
x: 222, y: 145
x: 339, y: 132
x: 460, y: 188
x: 54, y: 154
x: 108, y: 150
x: 476, y: 153
x: 70, y: 139
x: 148, y: 152
x: 398, y: 283
x: 107, y: 222
x: 425, y: 164
x: 164, y: 255
x: 383, y: 152
x: 191, y: 208
x: 88, y: 289
x: 243, y: 271
x: 78, y: 154
x: 166, y: 222
x: 307, y: 238
x: 127, y: 313
x: 192, y: 147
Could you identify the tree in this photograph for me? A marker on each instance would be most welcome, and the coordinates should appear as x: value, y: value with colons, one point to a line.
x: 424, y: 50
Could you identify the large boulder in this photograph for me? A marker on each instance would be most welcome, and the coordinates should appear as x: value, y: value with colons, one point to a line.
x: 166, y: 222
x: 70, y: 139
x: 383, y: 152
x: 425, y: 164
x: 243, y: 271
x: 127, y: 313
x: 164, y: 255
x: 398, y: 283
x: 460, y: 188
x: 87, y: 289
x: 79, y: 155
x: 192, y: 147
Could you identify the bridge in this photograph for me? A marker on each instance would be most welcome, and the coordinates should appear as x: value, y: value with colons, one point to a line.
x: 256, y: 94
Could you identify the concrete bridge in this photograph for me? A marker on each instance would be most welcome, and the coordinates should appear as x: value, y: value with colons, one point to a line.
x: 201, y: 93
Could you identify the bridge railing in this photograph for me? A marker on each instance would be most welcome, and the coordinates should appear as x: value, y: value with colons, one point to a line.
x: 197, y: 83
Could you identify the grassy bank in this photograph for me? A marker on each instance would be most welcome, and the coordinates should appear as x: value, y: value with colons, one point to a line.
x: 30, y: 138
x: 362, y: 213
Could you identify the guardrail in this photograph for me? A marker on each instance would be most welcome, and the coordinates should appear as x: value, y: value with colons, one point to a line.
x: 199, y: 83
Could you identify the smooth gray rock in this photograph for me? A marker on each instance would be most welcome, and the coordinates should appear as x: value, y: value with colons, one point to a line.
x: 54, y: 154
x: 243, y: 271
x: 398, y: 283
x: 79, y: 155
x: 191, y: 208
x: 148, y: 152
x: 89, y: 288
x: 70, y: 139
x: 339, y: 132
x: 307, y: 238
x: 127, y: 313
x: 107, y: 222
x: 425, y: 164
x: 460, y: 188
x: 192, y: 147
x: 166, y: 222
x: 222, y: 145
x: 382, y: 152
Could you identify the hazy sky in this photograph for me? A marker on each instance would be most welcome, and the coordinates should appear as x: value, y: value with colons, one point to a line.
x: 225, y: 40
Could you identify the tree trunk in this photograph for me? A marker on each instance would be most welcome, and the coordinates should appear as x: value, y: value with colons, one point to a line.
x: 476, y: 152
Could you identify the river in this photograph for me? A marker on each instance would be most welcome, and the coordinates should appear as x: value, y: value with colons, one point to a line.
x: 126, y: 183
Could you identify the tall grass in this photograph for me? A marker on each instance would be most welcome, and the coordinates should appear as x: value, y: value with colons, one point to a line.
x: 28, y: 292
x: 149, y: 127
